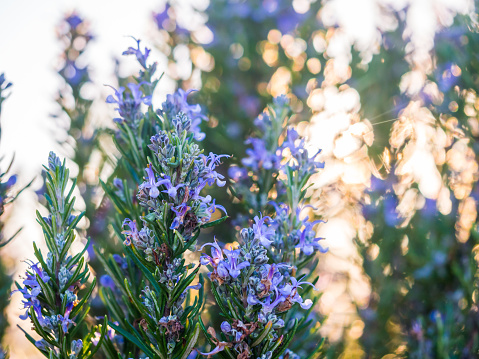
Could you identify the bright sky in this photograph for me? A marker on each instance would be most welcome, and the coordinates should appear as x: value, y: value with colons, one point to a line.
x: 29, y: 51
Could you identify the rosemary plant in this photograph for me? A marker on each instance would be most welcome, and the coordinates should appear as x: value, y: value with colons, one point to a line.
x: 55, y: 289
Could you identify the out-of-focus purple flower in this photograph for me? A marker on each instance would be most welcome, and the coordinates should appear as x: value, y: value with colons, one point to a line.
x: 74, y: 21
x: 121, y: 261
x: 73, y: 74
x: 391, y: 215
x: 160, y: 17
x: 430, y: 208
x: 177, y: 103
x: 237, y: 173
x: 259, y: 156
x: 106, y: 281
x: 129, y: 103
x: 141, y: 56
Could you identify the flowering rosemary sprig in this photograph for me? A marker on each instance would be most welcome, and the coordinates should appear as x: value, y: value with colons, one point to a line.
x: 254, y: 296
x: 274, y: 180
x: 162, y: 217
x: 51, y: 287
x: 279, y: 171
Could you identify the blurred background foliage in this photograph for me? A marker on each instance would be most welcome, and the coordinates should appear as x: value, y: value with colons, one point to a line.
x: 391, y: 98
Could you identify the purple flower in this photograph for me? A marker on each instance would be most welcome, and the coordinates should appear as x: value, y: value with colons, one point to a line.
x: 160, y: 17
x: 225, y: 327
x: 307, y: 241
x: 234, y: 268
x: 210, y: 176
x: 74, y: 21
x: 32, y: 288
x: 132, y: 233
x: 106, y: 281
x: 259, y: 156
x: 65, y: 320
x: 269, y: 305
x: 291, y: 291
x: 262, y: 232
x: 73, y: 74
x: 180, y: 212
x: 152, y: 184
x: 171, y: 190
x: 237, y: 173
x: 121, y: 261
x: 142, y: 57
x: 216, y: 253
x: 129, y: 104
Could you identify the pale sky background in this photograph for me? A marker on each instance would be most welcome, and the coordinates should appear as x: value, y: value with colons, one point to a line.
x: 29, y: 52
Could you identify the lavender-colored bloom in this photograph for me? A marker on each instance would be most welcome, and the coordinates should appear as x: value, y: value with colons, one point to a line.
x: 222, y: 271
x: 107, y: 281
x: 308, y: 243
x: 219, y: 348
x: 216, y: 254
x: 141, y: 56
x: 259, y: 156
x: 160, y: 17
x: 152, y: 184
x: 291, y: 291
x: 237, y: 173
x: 262, y: 232
x: 171, y: 190
x: 31, y: 288
x: 225, y: 327
x: 129, y: 103
x: 234, y: 268
x: 210, y: 176
x: 74, y: 21
x: 269, y: 304
x: 132, y: 233
x: 180, y: 212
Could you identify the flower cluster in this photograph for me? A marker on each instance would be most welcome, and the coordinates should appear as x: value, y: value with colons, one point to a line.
x: 176, y: 177
x: 261, y: 167
x: 162, y: 216
x: 51, y: 285
x: 293, y: 232
x: 177, y: 103
x: 253, y: 294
